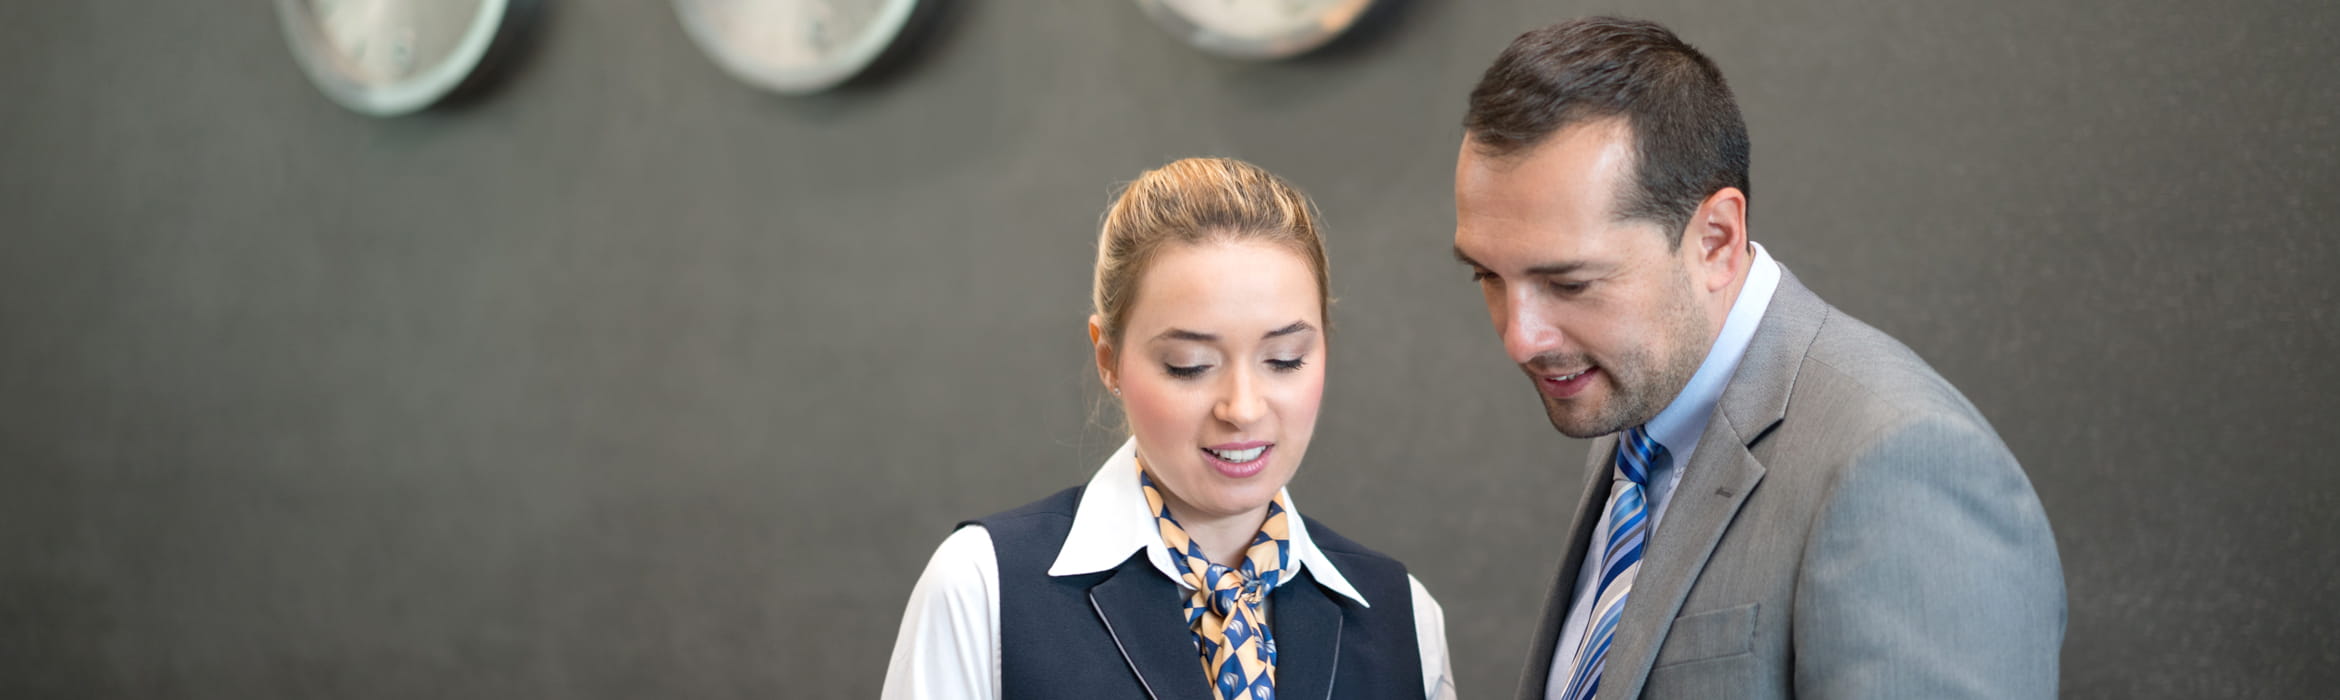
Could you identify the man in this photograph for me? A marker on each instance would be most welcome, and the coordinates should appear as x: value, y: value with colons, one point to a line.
x: 1781, y: 501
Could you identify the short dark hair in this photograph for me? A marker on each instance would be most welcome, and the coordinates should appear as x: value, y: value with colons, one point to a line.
x: 1689, y: 141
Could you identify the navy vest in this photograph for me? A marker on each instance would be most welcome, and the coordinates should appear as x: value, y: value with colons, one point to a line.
x: 1123, y: 634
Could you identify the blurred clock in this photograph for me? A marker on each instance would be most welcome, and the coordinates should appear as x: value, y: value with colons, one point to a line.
x: 391, y: 57
x: 795, y: 47
x: 1256, y: 29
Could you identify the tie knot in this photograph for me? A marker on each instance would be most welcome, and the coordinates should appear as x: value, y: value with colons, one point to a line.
x: 1230, y: 588
x: 1638, y: 455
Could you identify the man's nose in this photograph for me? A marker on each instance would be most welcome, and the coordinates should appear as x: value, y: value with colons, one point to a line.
x: 1529, y: 331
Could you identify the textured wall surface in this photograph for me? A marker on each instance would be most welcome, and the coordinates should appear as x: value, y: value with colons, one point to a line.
x: 625, y: 380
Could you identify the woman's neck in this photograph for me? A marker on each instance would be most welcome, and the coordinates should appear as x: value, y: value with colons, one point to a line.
x: 1224, y: 540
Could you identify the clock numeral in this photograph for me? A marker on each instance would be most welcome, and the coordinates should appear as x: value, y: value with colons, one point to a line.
x: 816, y: 26
x: 402, y: 50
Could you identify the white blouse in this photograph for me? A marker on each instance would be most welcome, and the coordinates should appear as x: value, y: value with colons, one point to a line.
x: 948, y: 647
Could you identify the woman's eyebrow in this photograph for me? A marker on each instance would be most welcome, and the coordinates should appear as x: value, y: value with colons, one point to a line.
x: 1296, y: 327
x: 1184, y: 334
x: 1201, y: 337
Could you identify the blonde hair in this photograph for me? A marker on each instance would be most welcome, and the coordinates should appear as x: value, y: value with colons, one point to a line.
x: 1191, y: 202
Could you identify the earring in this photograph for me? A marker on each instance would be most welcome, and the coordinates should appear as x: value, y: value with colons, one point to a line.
x: 1116, y: 390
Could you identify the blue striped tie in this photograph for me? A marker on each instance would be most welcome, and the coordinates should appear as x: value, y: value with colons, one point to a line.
x: 1637, y: 455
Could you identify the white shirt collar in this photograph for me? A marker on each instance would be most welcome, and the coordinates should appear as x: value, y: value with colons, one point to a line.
x: 1112, y: 520
x: 1679, y: 425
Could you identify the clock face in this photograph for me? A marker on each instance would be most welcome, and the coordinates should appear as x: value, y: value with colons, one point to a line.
x: 390, y: 57
x: 1256, y: 29
x: 794, y: 46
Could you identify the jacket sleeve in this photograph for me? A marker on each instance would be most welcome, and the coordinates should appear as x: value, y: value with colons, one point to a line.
x: 1931, y: 572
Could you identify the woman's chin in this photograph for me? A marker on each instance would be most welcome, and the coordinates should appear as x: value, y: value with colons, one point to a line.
x: 1220, y: 498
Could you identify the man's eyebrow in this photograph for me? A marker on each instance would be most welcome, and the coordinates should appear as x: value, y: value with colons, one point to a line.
x: 1544, y: 270
x: 1559, y: 268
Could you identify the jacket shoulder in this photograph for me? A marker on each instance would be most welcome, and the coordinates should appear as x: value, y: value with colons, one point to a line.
x: 1883, y: 381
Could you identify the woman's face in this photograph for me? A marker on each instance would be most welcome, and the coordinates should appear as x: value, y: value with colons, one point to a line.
x: 1221, y: 368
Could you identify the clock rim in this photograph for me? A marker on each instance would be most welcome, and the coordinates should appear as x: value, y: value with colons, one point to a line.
x: 394, y: 98
x: 1274, y: 48
x: 888, y: 27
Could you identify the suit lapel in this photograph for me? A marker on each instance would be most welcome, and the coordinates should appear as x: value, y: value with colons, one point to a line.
x: 1307, y: 629
x: 1758, y: 394
x: 1141, y: 610
x: 1592, y: 499
x: 1716, y: 482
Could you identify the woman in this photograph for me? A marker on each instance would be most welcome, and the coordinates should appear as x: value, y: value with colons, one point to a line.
x: 1182, y: 569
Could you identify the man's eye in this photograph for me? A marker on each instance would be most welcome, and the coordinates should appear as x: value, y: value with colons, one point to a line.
x: 1570, y: 287
x: 1481, y: 276
x: 1185, y: 372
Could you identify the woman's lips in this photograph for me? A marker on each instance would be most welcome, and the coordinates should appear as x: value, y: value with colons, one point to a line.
x: 1239, y: 460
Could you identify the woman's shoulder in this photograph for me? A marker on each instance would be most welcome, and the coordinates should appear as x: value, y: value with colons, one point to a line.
x: 1332, y: 542
x: 973, y: 547
x: 1058, y: 505
x: 964, y: 561
x: 1375, y: 575
x: 1027, y: 536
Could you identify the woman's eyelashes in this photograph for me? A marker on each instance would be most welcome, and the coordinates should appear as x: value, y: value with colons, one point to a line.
x: 1185, y: 371
x: 1178, y: 371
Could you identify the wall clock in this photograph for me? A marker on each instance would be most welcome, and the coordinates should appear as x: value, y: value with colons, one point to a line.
x: 391, y: 57
x: 1256, y: 29
x: 795, y: 47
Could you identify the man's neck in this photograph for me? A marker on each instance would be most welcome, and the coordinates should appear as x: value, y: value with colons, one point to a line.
x: 1718, y: 306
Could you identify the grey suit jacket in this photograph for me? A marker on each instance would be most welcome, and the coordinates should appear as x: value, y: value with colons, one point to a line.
x: 1848, y: 527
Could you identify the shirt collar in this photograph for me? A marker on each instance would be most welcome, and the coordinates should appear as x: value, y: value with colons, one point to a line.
x: 1679, y: 425
x: 1112, y: 520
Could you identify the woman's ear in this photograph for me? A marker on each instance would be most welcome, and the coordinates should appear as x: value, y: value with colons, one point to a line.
x: 1105, y: 354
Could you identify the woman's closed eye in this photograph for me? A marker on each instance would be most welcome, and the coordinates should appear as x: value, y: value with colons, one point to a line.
x: 1185, y: 371
x: 1291, y: 365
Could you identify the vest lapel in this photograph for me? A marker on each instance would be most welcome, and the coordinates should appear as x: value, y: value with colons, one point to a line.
x: 1141, y: 610
x: 1307, y: 627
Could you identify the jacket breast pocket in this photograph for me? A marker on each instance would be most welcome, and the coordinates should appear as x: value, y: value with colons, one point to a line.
x: 1707, y: 655
x: 1709, y: 635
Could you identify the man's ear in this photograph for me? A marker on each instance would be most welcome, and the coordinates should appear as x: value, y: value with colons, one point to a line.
x: 1105, y: 354
x: 1717, y: 238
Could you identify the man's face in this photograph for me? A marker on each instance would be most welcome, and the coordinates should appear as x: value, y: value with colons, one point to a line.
x: 1603, y: 315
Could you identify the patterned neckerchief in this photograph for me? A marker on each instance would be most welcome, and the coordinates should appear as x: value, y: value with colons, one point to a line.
x: 1237, y: 650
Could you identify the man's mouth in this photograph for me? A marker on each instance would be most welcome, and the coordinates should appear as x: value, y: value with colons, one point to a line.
x: 1561, y: 386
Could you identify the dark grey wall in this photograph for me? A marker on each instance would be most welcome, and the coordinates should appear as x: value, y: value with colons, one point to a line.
x: 626, y: 380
